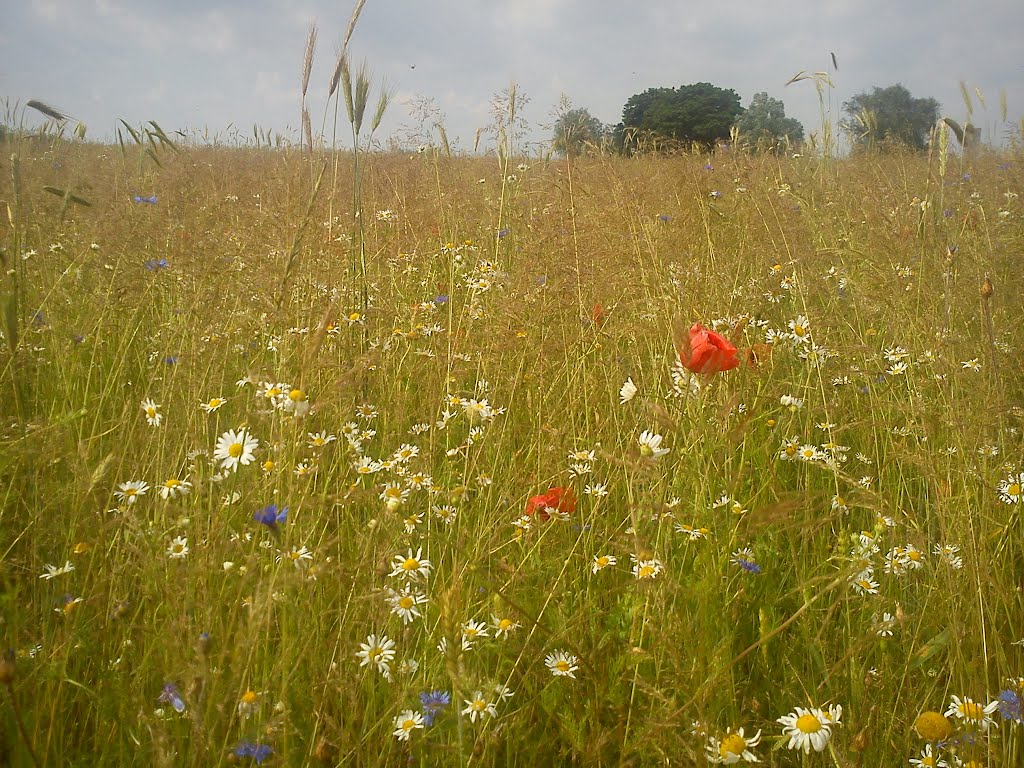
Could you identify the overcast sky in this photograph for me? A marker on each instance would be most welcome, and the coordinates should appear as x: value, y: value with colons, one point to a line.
x: 194, y: 65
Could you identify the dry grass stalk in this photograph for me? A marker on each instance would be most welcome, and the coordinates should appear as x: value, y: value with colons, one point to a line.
x: 50, y: 111
x: 307, y: 59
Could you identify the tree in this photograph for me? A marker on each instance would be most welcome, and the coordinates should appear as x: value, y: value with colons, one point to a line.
x: 765, y: 122
x: 576, y: 131
x: 889, y: 115
x: 700, y: 113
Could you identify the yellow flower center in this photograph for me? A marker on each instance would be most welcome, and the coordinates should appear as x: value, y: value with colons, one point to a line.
x: 268, y: 465
x: 151, y: 412
x: 602, y: 561
x: 505, y: 625
x: 646, y: 450
x: 172, y: 483
x: 799, y: 330
x: 130, y: 492
x: 354, y: 317
x: 375, y: 653
x: 479, y: 705
x: 929, y: 760
x: 235, y: 450
x: 646, y: 571
x: 1013, y: 489
x: 296, y: 394
x: 273, y: 392
x: 808, y: 724
x: 410, y: 564
x: 972, y: 711
x: 562, y: 665
x: 406, y: 602
x: 249, y: 697
x: 408, y: 725
x: 733, y: 744
x: 790, y: 450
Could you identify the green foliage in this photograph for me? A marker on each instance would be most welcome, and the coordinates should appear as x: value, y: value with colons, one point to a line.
x: 701, y: 113
x: 889, y: 116
x: 577, y: 132
x: 765, y: 123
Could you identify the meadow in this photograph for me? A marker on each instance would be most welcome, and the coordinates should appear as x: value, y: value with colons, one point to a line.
x: 611, y: 461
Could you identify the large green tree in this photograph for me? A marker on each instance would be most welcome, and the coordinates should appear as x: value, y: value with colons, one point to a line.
x: 577, y: 132
x: 889, y: 116
x: 700, y: 112
x: 765, y: 124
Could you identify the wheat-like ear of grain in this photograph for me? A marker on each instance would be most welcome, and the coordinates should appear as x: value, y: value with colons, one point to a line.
x: 352, y: 25
x: 307, y: 59
x: 51, y: 112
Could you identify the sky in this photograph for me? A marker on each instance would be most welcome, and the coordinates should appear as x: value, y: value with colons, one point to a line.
x: 204, y: 66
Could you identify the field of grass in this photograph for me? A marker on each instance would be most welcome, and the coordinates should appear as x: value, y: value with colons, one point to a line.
x: 478, y: 530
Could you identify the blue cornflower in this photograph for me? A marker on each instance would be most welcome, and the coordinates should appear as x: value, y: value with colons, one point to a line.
x: 1003, y: 166
x: 170, y: 695
x: 170, y: 359
x: 744, y: 558
x: 716, y: 194
x: 967, y: 177
x: 1010, y: 706
x: 38, y: 318
x: 947, y: 213
x: 434, y: 703
x: 441, y: 299
x: 503, y: 232
x: 709, y: 167
x: 154, y: 264
x: 151, y: 200
x: 271, y: 517
x: 664, y: 217
x: 258, y: 752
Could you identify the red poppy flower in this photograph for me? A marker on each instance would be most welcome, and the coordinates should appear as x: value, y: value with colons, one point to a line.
x: 559, y: 499
x: 708, y: 352
x: 599, y: 315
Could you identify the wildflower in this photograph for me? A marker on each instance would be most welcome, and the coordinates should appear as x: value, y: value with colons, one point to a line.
x: 707, y: 352
x: 170, y: 695
x: 647, y: 570
x: 178, y: 548
x: 971, y: 713
x: 627, y: 392
x: 792, y: 403
x: 235, y: 447
x: 732, y: 748
x: 561, y: 664
x: 296, y: 403
x: 933, y: 726
x: 406, y: 722
x: 864, y: 584
x: 597, y: 490
x: 403, y: 603
x: 249, y: 703
x: 433, y: 704
x: 478, y: 706
x: 298, y: 555
x: 887, y: 623
x: 971, y: 365
x: 744, y: 558
x: 808, y: 728
x: 558, y: 502
x: 130, y: 492
x: 271, y: 516
x: 1009, y: 705
x: 650, y: 445
x: 503, y: 626
x: 213, y: 404
x: 320, y: 439
x: 254, y: 750
x: 790, y: 449
x: 602, y: 561
x: 152, y: 411
x: 800, y: 330
x: 173, y: 488
x: 928, y: 759
x: 394, y: 496
x: 53, y: 571
x: 411, y: 566
x: 378, y: 652
x: 1010, y: 488
x: 472, y: 630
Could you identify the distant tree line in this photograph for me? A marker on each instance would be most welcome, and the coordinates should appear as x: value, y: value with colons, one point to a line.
x: 703, y: 115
